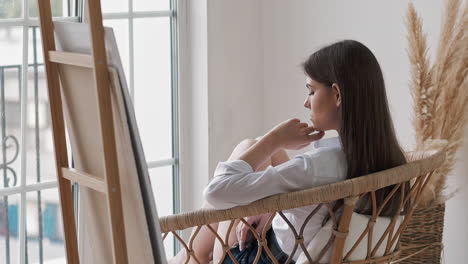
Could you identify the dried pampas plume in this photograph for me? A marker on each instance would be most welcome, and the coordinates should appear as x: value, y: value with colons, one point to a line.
x: 421, y: 83
x: 440, y: 92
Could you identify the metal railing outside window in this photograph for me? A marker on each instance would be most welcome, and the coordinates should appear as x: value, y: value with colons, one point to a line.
x: 30, y: 222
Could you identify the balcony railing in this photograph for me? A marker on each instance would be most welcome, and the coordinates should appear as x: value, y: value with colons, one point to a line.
x: 47, y: 212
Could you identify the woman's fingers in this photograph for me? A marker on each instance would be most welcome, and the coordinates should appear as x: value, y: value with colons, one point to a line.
x: 294, y: 134
x: 303, y: 125
x: 316, y: 136
x: 309, y: 130
x: 242, y: 236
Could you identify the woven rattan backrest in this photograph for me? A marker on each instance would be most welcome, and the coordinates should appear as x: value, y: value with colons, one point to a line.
x: 389, y: 239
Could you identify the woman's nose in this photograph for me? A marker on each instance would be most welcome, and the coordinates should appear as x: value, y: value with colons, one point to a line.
x: 307, y: 103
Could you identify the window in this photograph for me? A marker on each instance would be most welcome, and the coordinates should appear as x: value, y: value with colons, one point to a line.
x: 146, y: 37
x: 30, y: 219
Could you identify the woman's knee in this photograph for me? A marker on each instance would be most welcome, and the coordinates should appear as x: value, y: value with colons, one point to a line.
x: 248, y: 142
x: 241, y: 148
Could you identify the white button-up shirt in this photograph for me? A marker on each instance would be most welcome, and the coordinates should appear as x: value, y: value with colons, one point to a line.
x: 235, y: 183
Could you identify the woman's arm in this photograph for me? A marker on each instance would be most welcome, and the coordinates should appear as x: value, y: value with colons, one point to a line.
x: 280, y: 157
x: 290, y: 134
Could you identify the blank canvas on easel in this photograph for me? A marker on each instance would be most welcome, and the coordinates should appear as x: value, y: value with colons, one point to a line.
x: 142, y: 230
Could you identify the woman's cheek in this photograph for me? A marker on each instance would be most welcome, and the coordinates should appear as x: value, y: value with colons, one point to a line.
x: 315, y: 113
x: 315, y: 107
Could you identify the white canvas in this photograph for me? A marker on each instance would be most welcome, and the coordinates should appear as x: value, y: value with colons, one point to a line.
x: 144, y: 243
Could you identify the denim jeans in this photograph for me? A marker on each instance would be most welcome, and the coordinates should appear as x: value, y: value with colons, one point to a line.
x: 249, y: 253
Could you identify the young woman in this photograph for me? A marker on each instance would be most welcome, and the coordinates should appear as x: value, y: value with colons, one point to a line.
x: 346, y: 93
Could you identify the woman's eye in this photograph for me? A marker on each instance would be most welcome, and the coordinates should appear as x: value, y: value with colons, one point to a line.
x: 311, y: 93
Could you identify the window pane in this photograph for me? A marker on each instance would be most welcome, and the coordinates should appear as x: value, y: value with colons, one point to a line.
x: 59, y: 8
x: 39, y: 148
x: 35, y: 54
x: 120, y: 27
x: 10, y: 102
x: 45, y: 240
x: 11, y: 45
x: 10, y: 8
x: 153, y: 86
x: 162, y: 184
x: 114, y: 6
x: 150, y: 5
x: 9, y: 229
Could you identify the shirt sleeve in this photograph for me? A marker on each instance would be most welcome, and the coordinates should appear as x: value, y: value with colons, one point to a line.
x: 235, y: 183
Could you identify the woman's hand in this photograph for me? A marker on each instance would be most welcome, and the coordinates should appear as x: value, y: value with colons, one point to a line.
x: 243, y: 232
x: 293, y: 134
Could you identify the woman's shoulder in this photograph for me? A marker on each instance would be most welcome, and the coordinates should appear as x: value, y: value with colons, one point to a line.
x: 326, y: 161
x: 326, y: 152
x: 327, y: 156
x: 331, y: 142
x: 326, y: 147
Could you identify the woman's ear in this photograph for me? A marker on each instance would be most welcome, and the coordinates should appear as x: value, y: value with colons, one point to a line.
x: 337, y: 94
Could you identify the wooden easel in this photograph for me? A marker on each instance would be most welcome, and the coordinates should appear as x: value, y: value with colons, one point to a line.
x: 110, y: 186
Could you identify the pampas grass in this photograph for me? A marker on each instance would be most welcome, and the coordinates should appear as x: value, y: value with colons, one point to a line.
x: 440, y: 91
x: 421, y: 82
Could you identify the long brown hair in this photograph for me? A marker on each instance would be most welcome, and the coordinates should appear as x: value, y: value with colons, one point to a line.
x: 367, y: 133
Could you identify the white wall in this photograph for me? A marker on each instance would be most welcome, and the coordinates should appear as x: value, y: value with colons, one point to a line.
x: 193, y: 106
x: 235, y: 65
x: 221, y: 86
x: 254, y: 79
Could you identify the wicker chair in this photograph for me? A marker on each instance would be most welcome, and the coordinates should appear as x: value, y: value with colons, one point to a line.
x: 378, y: 246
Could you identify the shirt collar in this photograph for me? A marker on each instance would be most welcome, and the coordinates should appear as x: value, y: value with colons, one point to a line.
x: 328, y: 142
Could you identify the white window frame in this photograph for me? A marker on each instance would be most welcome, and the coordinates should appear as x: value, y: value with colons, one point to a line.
x: 172, y: 15
x: 23, y: 189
